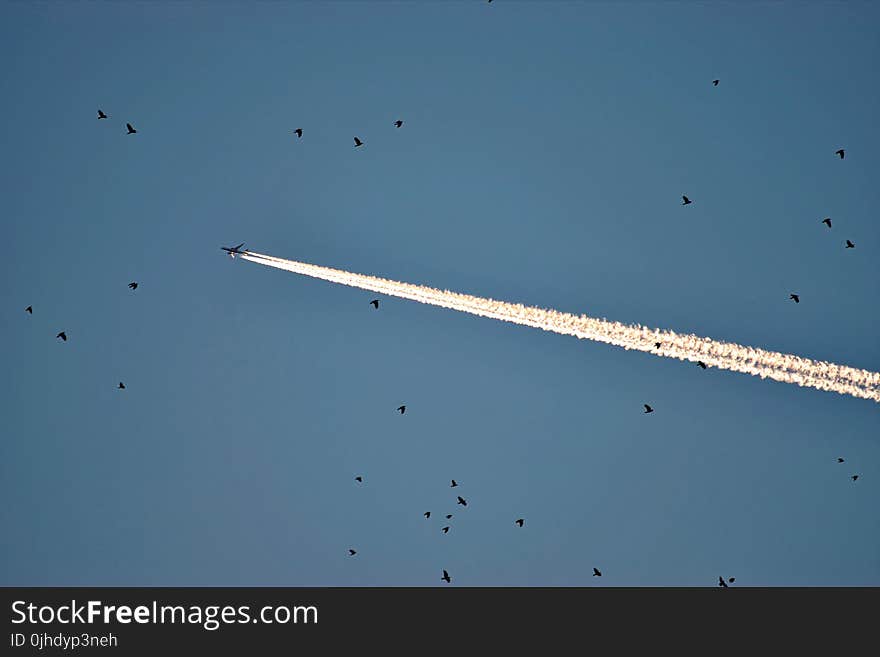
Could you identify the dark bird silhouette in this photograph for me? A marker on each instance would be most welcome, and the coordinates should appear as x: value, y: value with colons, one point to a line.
x: 359, y: 479
x: 840, y: 152
x: 850, y: 245
x: 448, y: 516
x: 855, y: 477
x: 351, y: 552
x: 596, y: 573
x: 375, y: 303
x: 402, y: 409
x: 657, y: 345
x: 648, y: 409
x: 462, y: 501
x: 29, y: 309
x: 453, y: 484
x: 398, y: 123
x: 101, y: 115
x: 121, y: 386
x: 446, y: 578
x: 795, y: 297
x: 299, y: 132
x: 685, y: 200
x: 131, y: 130
x: 62, y: 335
x: 721, y: 582
x: 445, y: 530
x: 701, y: 364
x: 827, y: 221
x: 840, y: 459
x: 715, y: 82
x: 358, y: 142
x: 133, y: 285
x: 427, y: 514
x: 520, y: 522
x: 731, y: 579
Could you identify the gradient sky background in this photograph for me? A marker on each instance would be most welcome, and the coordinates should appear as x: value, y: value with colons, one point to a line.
x: 542, y: 160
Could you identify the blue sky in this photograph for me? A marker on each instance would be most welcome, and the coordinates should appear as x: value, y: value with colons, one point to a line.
x: 543, y: 156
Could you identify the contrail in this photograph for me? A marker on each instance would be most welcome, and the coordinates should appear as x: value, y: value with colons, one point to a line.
x: 724, y: 355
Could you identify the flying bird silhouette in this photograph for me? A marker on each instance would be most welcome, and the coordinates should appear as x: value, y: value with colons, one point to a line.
x: 351, y: 552
x: 358, y: 142
x: 715, y: 82
x: 827, y: 221
x: 62, y: 335
x: 520, y: 522
x: 446, y: 578
x: 840, y: 152
x: 299, y: 132
x: 375, y: 303
x: 731, y: 579
x: 657, y: 345
x: 358, y: 479
x: 101, y: 115
x: 427, y: 514
x: 855, y: 477
x: 131, y: 130
x: 133, y: 285
x: 402, y: 409
x: 685, y: 200
x: 398, y: 123
x: 121, y: 386
x: 462, y: 501
x: 445, y: 530
x: 850, y: 245
x: 29, y: 309
x: 840, y: 459
x: 448, y: 516
x: 721, y: 582
x: 453, y: 484
x: 596, y: 573
x: 648, y: 409
x: 795, y: 297
x: 701, y: 364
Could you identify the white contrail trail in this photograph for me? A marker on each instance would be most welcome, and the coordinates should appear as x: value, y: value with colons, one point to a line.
x: 724, y: 355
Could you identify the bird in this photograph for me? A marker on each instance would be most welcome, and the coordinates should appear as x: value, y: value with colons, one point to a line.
x: 131, y: 130
x: 121, y: 386
x: 375, y: 303
x: 453, y: 484
x: 839, y: 152
x: 299, y: 132
x: 101, y: 115
x: 840, y: 459
x: 596, y: 572
x: 402, y: 409
x: 133, y: 285
x: 850, y: 245
x: 519, y: 521
x: 29, y: 309
x: 462, y: 501
x: 351, y: 552
x: 358, y: 479
x: 721, y: 582
x: 427, y: 514
x: 795, y: 297
x: 715, y: 82
x: 446, y: 578
x: 685, y: 200
x: 358, y: 142
x: 701, y: 364
x: 648, y: 409
x: 731, y: 579
x: 855, y: 477
x: 445, y: 530
x: 398, y: 123
x: 448, y: 516
x: 657, y: 345
x: 827, y: 221
x: 62, y: 335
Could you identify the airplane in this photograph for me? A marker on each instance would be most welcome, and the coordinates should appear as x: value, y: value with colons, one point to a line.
x: 232, y: 250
